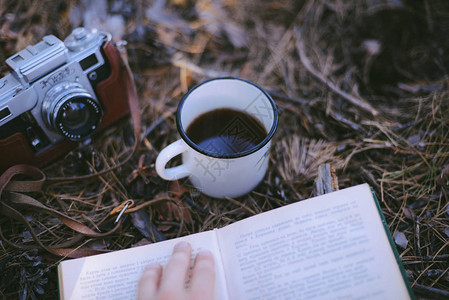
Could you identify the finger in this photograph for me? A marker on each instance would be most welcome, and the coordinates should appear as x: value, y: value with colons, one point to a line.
x: 175, y: 273
x: 203, y: 276
x: 149, y: 281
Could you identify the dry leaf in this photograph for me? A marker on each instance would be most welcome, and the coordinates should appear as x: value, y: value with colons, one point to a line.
x: 408, y: 213
x: 400, y: 239
x: 141, y: 221
x: 172, y: 210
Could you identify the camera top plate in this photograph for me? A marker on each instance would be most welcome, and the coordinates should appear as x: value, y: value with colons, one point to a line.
x: 37, y: 60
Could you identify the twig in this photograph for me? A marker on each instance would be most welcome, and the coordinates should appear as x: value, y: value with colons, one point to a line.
x: 443, y: 275
x: 418, y: 242
x: 431, y: 292
x: 431, y: 258
x: 308, y: 65
x: 164, y: 116
x: 288, y: 98
x: 326, y: 181
x: 278, y: 53
x: 242, y: 205
x: 180, y: 62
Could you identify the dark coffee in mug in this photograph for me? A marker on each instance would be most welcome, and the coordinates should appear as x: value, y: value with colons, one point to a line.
x: 226, y: 131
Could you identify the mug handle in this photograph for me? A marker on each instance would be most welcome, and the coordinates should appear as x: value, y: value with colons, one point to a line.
x: 166, y: 155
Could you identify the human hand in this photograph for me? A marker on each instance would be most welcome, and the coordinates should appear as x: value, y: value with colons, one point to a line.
x: 156, y: 283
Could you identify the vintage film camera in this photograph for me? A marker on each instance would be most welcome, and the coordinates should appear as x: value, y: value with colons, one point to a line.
x: 58, y: 94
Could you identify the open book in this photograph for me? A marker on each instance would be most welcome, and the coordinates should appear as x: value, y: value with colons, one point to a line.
x: 335, y: 246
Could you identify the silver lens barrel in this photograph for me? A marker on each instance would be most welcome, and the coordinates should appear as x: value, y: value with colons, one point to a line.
x: 71, y: 110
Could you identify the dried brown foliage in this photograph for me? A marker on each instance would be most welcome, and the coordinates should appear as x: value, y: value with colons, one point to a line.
x: 361, y: 85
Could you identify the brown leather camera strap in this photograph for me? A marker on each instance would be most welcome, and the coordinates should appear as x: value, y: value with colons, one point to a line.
x: 20, y: 179
x: 13, y: 198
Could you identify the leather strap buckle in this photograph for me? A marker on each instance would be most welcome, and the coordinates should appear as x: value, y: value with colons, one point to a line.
x: 121, y: 209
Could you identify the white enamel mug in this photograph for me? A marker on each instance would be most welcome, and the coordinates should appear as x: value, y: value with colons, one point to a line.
x: 215, y: 174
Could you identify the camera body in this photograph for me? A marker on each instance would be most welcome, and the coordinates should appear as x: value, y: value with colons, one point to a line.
x: 57, y: 94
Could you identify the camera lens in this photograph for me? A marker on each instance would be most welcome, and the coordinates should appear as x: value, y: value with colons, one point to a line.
x: 76, y: 115
x: 72, y: 111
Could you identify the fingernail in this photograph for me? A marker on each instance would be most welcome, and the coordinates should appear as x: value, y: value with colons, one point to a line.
x: 182, y: 245
x: 152, y: 267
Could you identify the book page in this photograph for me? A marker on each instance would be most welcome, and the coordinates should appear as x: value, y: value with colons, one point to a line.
x: 329, y: 247
x: 115, y: 275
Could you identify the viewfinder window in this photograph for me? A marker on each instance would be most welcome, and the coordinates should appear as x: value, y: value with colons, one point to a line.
x: 4, y: 113
x: 17, y: 58
x: 88, y: 62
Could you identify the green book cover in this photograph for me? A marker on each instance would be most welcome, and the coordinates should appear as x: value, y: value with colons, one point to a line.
x: 393, y: 246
